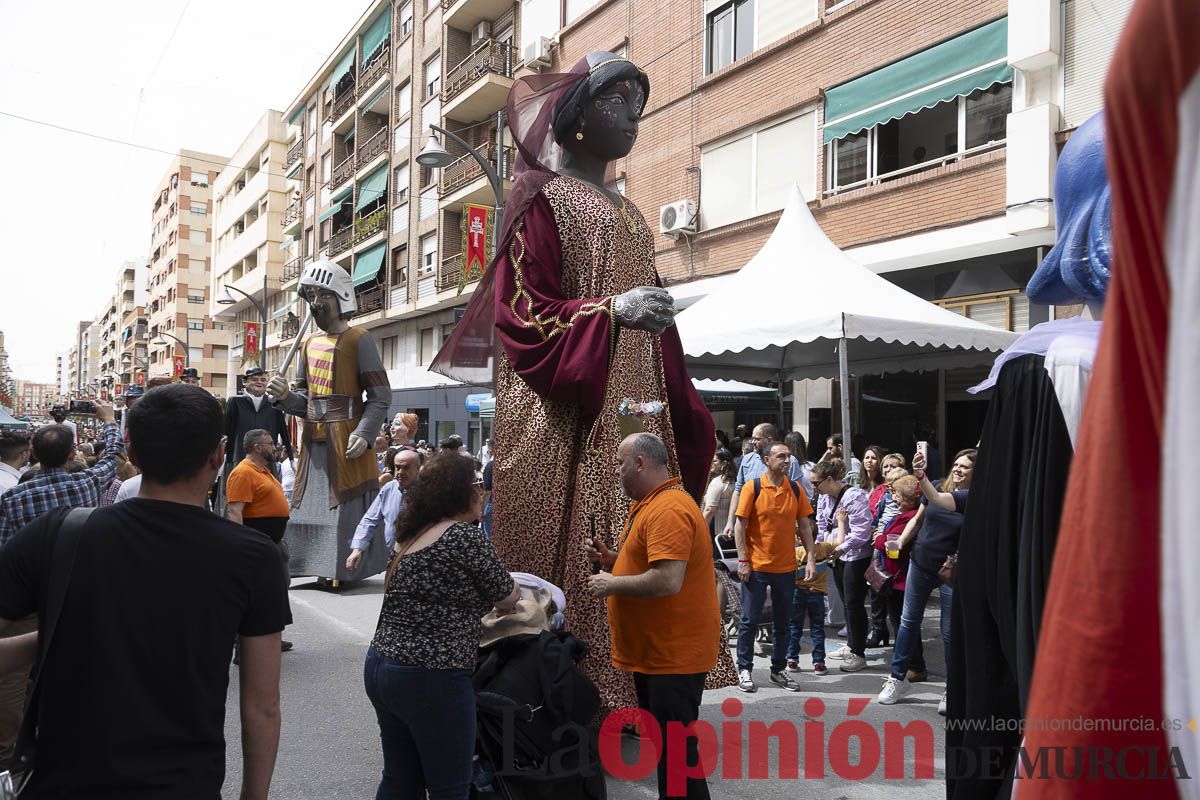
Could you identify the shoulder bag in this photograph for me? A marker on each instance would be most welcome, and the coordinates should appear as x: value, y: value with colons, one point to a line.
x: 66, y: 543
x: 948, y: 568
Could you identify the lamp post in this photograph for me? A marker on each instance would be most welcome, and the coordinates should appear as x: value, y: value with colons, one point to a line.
x: 187, y: 349
x: 227, y: 299
x: 435, y: 156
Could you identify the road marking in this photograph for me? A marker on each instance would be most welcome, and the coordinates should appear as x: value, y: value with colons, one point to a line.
x: 346, y: 627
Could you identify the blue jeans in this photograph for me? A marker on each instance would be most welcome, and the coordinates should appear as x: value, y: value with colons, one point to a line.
x: 917, y: 587
x: 754, y: 596
x: 427, y: 728
x: 810, y: 604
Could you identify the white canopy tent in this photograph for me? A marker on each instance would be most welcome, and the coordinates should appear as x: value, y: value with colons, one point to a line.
x: 802, y: 308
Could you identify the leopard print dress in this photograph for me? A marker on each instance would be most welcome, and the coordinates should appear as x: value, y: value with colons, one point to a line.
x: 552, y: 489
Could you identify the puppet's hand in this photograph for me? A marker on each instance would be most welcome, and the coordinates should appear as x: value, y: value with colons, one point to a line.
x: 356, y: 446
x: 646, y: 308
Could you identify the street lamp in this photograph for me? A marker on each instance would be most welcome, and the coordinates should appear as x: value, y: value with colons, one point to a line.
x: 187, y: 349
x: 227, y: 299
x: 435, y: 156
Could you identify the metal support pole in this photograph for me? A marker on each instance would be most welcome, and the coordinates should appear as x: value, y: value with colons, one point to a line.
x: 844, y: 397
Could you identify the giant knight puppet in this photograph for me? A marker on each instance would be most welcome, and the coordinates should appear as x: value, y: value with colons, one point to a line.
x: 342, y: 394
x: 586, y: 351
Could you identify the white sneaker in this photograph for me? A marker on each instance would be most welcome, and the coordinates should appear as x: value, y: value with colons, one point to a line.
x: 942, y: 705
x: 893, y: 689
x: 853, y: 663
x: 840, y: 653
x: 746, y: 682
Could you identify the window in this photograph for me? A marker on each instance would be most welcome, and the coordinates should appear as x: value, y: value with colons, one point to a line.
x: 404, y: 100
x: 308, y: 243
x: 539, y: 18
x: 753, y: 174
x: 403, y: 135
x: 575, y: 9
x: 431, y: 112
x: 400, y: 266
x: 433, y: 76
x: 729, y: 34
x: 195, y: 354
x: 429, y: 247
x: 447, y: 329
x: 429, y: 202
x: 425, y: 347
x: 406, y: 18
x: 326, y: 167
x: 199, y: 208
x: 310, y: 146
x: 400, y: 184
x: 195, y: 297
x: 389, y: 347
x: 924, y: 140
x: 312, y: 120
x: 195, y: 324
x: 198, y: 236
x: 199, y: 178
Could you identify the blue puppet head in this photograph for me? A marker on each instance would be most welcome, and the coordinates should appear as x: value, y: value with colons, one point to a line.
x: 1077, y: 269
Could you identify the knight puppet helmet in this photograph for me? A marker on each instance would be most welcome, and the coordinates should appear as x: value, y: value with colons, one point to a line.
x: 328, y: 275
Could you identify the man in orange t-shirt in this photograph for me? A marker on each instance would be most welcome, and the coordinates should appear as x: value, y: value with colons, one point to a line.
x: 771, y: 511
x: 662, y: 597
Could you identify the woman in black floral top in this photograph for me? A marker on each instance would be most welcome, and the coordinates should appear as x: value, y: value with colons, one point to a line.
x: 418, y: 670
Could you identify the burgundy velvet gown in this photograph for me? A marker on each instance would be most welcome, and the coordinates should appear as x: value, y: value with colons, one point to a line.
x: 563, y: 370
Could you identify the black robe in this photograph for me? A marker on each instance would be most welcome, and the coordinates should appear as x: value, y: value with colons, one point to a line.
x: 241, y: 418
x: 1004, y: 559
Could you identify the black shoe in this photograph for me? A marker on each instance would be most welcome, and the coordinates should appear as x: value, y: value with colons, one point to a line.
x: 284, y: 646
x: 877, y: 639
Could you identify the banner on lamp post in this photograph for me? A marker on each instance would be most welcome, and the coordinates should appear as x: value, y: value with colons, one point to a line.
x: 477, y: 222
x: 179, y: 362
x: 250, y: 348
x: 118, y: 389
x: 141, y: 378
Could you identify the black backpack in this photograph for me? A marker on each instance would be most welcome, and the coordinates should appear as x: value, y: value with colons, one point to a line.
x: 791, y: 483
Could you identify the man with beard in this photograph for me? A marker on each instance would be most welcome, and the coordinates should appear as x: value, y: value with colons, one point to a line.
x: 255, y: 497
x: 342, y: 392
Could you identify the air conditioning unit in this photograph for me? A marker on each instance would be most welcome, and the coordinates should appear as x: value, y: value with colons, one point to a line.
x: 676, y: 218
x: 537, y: 53
x: 481, y: 31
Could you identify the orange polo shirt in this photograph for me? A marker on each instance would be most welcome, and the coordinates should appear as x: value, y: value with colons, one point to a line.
x: 257, y: 488
x: 678, y: 634
x: 771, y: 524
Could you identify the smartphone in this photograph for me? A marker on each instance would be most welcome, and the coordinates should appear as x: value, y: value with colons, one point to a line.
x: 923, y: 449
x: 81, y: 407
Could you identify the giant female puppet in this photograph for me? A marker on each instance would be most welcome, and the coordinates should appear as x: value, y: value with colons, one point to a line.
x: 585, y: 338
x: 342, y: 393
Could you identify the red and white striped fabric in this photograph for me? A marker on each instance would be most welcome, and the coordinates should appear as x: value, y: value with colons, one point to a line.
x: 1119, y: 638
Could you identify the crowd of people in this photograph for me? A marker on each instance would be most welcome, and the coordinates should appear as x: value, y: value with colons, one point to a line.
x: 883, y: 533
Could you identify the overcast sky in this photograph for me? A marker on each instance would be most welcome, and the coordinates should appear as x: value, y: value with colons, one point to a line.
x: 73, y: 208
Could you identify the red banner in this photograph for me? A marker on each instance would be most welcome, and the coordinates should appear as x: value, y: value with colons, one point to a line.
x: 179, y: 361
x: 141, y: 378
x: 478, y: 222
x: 118, y: 389
x: 250, y: 349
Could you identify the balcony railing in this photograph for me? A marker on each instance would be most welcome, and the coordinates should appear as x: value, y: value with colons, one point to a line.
x: 446, y: 4
x: 292, y: 269
x: 368, y: 301
x: 450, y: 272
x: 289, y: 329
x: 490, y: 56
x: 374, y: 146
x: 340, y: 242
x: 342, y: 172
x: 293, y: 155
x: 373, y: 69
x: 369, y: 225
x: 346, y: 102
x: 466, y: 170
x: 292, y: 213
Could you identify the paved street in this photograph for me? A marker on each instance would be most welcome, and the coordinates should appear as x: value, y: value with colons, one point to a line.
x: 330, y: 745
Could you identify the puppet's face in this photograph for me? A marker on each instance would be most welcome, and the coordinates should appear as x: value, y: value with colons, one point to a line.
x: 326, y: 309
x: 610, y: 121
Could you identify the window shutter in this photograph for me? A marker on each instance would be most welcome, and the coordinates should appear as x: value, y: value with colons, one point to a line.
x: 1089, y: 38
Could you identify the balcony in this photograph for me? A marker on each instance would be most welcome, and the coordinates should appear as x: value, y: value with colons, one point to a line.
x: 479, y: 84
x: 342, y: 172
x: 374, y: 70
x: 464, y: 179
x: 292, y: 269
x: 340, y: 241
x: 344, y: 103
x: 465, y: 14
x: 450, y: 272
x: 369, y: 301
x: 292, y: 213
x: 289, y: 329
x: 293, y: 155
x: 368, y: 226
x: 373, y: 146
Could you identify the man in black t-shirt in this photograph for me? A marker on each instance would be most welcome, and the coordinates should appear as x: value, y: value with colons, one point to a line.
x: 133, y: 688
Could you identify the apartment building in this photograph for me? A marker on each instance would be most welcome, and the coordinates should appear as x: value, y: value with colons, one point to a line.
x: 33, y: 399
x: 177, y: 311
x: 132, y: 338
x: 923, y: 135
x: 252, y: 197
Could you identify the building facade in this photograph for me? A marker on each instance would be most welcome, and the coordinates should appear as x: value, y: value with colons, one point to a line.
x: 252, y: 196
x: 133, y: 325
x: 923, y: 136
x: 33, y: 399
x: 177, y: 305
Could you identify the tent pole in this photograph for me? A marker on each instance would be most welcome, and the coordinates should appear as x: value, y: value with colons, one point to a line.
x: 844, y: 396
x: 782, y: 425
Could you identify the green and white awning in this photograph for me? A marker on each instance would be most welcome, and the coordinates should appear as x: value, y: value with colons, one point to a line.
x: 287, y: 242
x: 367, y: 264
x: 975, y: 60
x: 343, y: 66
x: 342, y: 191
x: 376, y: 33
x: 372, y: 188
